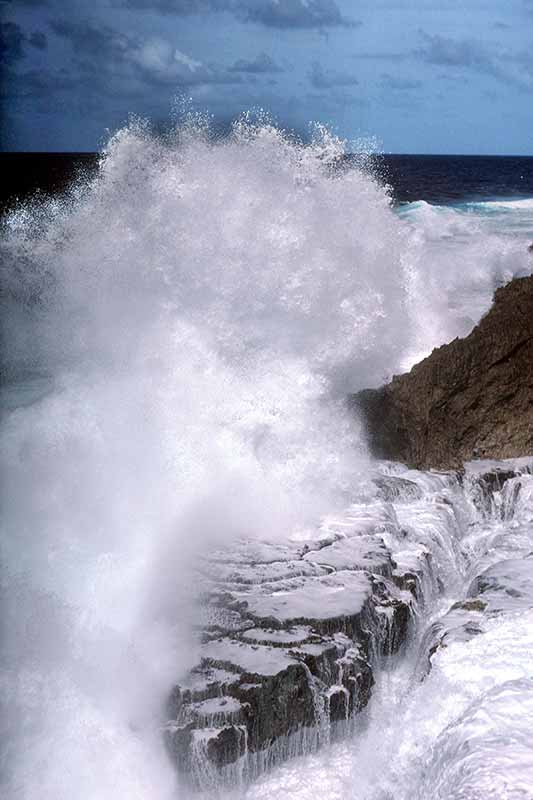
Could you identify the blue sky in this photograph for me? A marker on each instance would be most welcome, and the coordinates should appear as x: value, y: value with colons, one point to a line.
x: 415, y: 76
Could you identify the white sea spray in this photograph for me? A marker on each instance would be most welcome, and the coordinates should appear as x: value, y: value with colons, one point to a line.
x: 180, y: 333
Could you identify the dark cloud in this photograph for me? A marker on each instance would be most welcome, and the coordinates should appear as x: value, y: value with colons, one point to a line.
x: 473, y: 55
x: 13, y: 43
x: 380, y: 55
x: 271, y: 13
x: 524, y: 60
x: 446, y: 76
x: 34, y: 84
x: 106, y: 75
x: 294, y: 13
x: 445, y: 51
x: 38, y: 40
x: 327, y: 79
x: 14, y: 87
x: 262, y: 63
x: 105, y: 51
x: 179, y: 7
x: 19, y: 3
x: 157, y: 62
x: 86, y: 37
x: 334, y: 101
x: 397, y: 83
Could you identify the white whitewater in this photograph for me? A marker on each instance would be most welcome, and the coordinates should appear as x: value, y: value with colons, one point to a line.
x: 178, y: 336
x: 463, y: 729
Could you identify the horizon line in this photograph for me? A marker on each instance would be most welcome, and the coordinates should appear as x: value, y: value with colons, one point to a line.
x: 351, y: 153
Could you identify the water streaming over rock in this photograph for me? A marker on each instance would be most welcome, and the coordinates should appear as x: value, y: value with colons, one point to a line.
x: 445, y: 719
x: 179, y: 335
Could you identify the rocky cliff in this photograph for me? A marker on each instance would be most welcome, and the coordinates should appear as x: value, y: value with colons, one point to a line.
x: 472, y: 398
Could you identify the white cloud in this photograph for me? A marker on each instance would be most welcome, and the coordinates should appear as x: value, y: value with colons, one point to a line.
x: 161, y: 59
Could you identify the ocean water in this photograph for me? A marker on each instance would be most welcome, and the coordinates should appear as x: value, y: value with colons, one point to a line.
x: 180, y: 330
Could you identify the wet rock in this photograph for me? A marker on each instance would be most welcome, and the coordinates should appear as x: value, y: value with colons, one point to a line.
x: 292, y: 633
x: 227, y: 745
x: 339, y: 706
x: 506, y: 586
x: 394, y: 487
x: 470, y: 605
x: 463, y: 621
x: 290, y: 637
x: 470, y: 399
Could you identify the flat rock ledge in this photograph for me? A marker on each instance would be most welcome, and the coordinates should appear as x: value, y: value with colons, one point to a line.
x: 290, y: 639
x: 470, y: 399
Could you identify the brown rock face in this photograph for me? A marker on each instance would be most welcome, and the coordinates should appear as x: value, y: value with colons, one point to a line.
x: 472, y: 398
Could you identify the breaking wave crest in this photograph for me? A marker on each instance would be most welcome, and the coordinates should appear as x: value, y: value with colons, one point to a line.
x: 179, y: 334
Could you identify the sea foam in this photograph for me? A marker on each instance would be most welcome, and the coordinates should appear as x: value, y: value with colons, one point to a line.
x: 193, y: 316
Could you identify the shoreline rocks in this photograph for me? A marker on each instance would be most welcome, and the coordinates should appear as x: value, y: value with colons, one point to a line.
x: 294, y: 633
x: 291, y: 636
x: 470, y: 399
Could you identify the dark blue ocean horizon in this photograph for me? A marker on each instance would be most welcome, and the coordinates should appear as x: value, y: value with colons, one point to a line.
x: 436, y: 179
x: 451, y: 179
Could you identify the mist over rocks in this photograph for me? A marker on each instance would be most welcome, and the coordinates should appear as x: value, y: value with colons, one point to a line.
x: 470, y: 399
x: 296, y: 636
x: 294, y: 632
x: 291, y: 635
